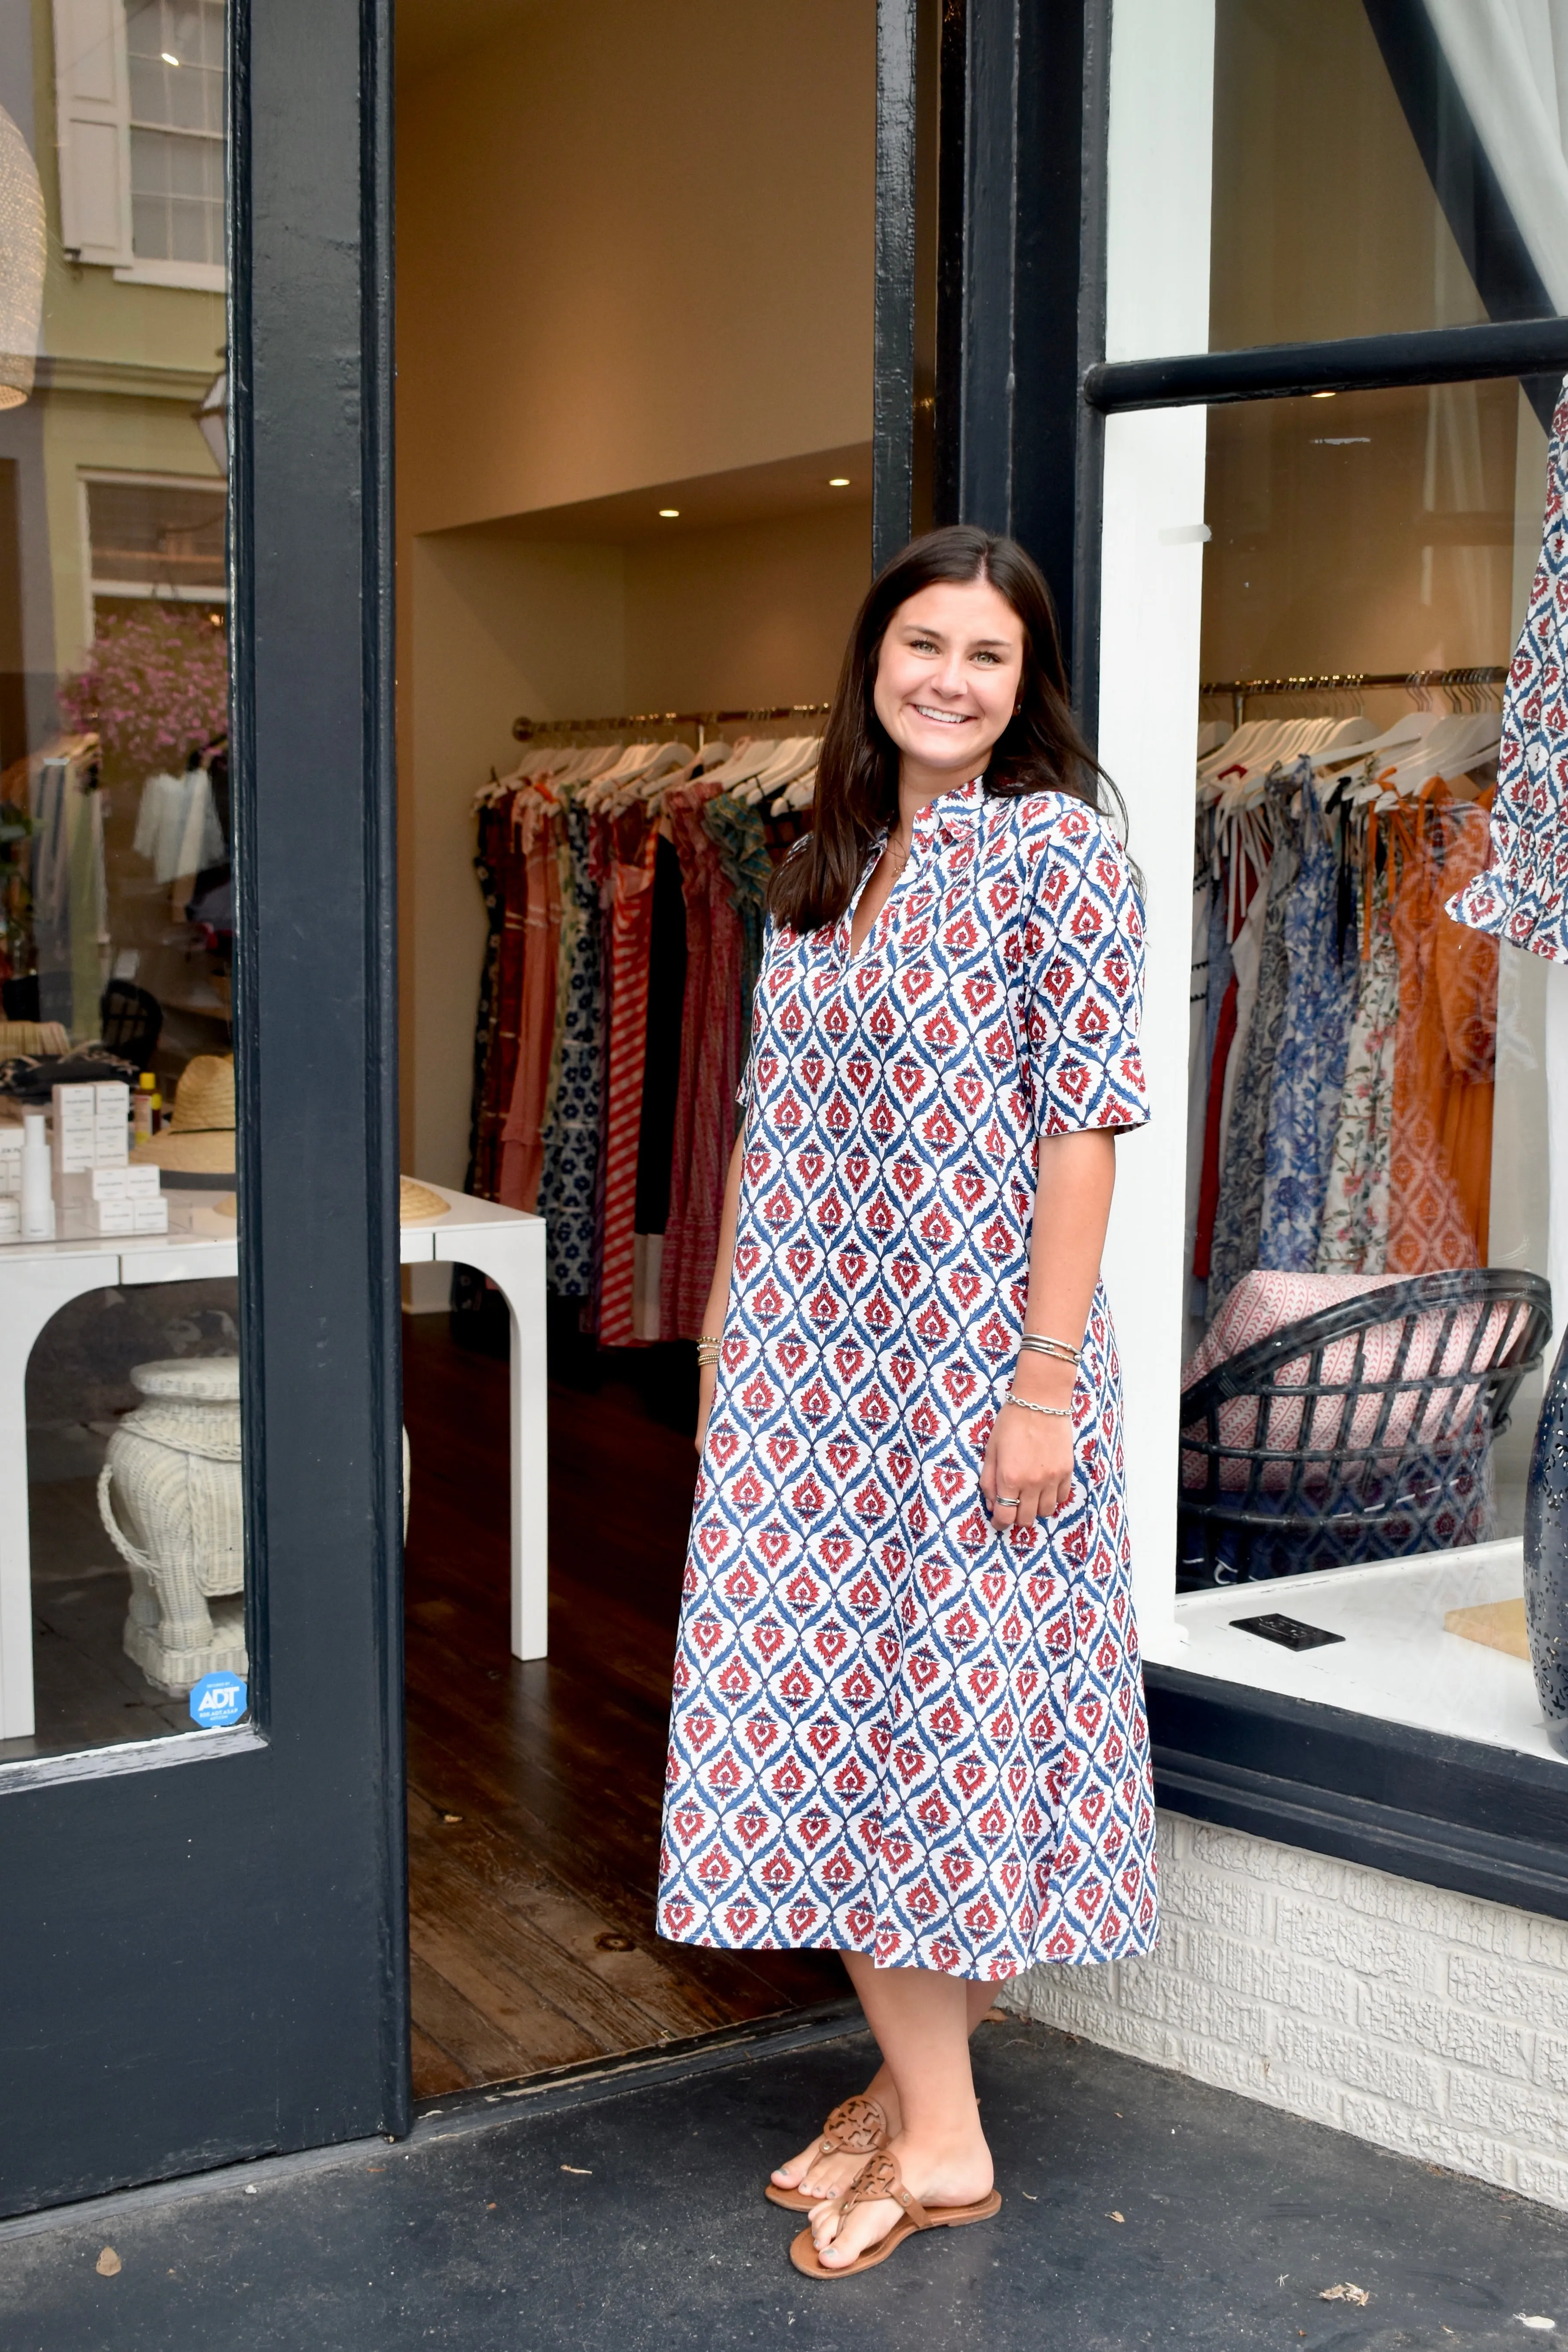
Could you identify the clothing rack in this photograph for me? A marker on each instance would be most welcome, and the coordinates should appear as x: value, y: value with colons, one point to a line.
x: 528, y: 730
x: 1350, y: 682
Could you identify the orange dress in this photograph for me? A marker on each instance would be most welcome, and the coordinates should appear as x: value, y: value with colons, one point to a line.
x: 1445, y: 1048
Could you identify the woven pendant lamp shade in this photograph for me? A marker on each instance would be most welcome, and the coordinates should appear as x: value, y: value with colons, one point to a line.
x: 22, y: 249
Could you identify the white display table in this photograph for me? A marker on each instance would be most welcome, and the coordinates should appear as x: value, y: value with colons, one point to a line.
x: 37, y: 1278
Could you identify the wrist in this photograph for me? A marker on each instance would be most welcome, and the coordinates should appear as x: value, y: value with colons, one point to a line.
x: 1044, y: 1380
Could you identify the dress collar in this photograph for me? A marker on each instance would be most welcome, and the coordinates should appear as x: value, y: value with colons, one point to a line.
x: 952, y: 814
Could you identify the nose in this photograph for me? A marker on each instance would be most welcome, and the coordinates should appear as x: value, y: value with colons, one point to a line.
x: 950, y: 681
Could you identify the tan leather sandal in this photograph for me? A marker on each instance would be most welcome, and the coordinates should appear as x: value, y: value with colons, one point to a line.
x: 882, y: 2178
x: 855, y: 2127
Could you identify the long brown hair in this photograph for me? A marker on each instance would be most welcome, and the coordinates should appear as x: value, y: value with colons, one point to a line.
x: 1041, y: 749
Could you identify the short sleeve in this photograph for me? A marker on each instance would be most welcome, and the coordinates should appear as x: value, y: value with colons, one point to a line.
x: 1083, y: 979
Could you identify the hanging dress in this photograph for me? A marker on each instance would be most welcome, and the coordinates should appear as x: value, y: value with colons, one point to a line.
x: 1354, y: 1236
x: 1323, y: 971
x: 895, y: 1731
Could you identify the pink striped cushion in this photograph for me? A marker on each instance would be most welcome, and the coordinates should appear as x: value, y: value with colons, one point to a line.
x: 1265, y: 1302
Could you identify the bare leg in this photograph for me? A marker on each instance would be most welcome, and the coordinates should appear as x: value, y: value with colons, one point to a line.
x: 820, y: 2176
x: 921, y: 2021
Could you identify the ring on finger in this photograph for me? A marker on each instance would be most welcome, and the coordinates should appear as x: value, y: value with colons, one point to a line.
x: 1008, y: 1502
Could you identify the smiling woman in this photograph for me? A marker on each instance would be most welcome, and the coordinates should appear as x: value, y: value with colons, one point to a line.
x: 1002, y: 664
x: 908, y: 1724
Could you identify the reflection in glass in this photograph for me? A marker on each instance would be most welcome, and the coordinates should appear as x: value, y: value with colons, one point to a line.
x: 1371, y: 174
x: 1367, y: 1209
x: 121, y: 1584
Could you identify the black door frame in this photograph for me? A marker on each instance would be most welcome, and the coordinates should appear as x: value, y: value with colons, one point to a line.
x: 207, y: 1963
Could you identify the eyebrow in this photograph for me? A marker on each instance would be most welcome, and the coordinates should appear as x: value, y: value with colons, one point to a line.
x: 975, y: 643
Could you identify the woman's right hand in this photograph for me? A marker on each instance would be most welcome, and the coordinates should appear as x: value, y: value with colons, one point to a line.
x: 707, y: 1382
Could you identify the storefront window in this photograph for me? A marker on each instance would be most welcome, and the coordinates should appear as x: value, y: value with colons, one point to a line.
x: 1332, y: 585
x: 120, y: 1562
x: 1366, y: 1123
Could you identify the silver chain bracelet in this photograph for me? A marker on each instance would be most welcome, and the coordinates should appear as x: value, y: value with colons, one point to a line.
x: 1027, y: 1404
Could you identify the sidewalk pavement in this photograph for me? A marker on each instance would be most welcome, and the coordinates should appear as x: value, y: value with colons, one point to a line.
x: 624, y: 2211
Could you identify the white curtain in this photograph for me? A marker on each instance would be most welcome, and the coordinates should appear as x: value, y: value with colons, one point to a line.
x: 1509, y: 59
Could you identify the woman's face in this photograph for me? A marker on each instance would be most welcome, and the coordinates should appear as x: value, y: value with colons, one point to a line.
x: 949, y: 674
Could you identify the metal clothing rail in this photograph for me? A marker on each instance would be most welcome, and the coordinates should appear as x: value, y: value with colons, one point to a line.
x: 1414, y: 681
x: 527, y: 731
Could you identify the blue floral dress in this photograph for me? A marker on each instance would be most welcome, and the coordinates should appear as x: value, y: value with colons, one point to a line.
x: 895, y: 1731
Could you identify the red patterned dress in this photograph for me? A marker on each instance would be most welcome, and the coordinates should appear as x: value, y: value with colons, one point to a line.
x: 895, y: 1731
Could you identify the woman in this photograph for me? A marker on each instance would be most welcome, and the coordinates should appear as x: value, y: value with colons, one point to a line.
x: 908, y: 1721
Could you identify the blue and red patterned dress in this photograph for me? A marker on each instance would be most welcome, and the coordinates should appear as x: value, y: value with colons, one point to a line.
x: 895, y: 1731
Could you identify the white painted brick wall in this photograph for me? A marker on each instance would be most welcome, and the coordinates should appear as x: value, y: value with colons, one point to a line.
x: 1428, y: 2022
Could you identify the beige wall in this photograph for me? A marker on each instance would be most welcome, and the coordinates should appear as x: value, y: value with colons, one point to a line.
x: 635, y: 244
x: 635, y: 247
x: 500, y: 629
x: 746, y: 617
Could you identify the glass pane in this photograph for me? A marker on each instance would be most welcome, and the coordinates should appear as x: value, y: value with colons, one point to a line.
x: 1367, y: 1135
x: 121, y: 1578
x: 1356, y: 167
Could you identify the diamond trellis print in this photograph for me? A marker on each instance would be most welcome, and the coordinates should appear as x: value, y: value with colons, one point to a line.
x: 1522, y: 895
x: 893, y: 1730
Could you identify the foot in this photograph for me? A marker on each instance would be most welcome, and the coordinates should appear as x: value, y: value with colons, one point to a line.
x: 957, y: 2171
x: 826, y: 2174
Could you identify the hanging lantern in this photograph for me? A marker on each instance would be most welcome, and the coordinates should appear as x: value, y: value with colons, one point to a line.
x: 212, y: 419
x: 22, y: 249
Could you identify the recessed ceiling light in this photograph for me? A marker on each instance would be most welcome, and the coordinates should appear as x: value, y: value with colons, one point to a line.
x: 1322, y: 396
x: 669, y: 513
x: 839, y: 481
x: 168, y: 58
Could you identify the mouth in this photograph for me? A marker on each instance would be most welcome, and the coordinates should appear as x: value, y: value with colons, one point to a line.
x: 940, y: 718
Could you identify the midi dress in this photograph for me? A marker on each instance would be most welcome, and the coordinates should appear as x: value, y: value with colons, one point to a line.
x: 895, y: 1730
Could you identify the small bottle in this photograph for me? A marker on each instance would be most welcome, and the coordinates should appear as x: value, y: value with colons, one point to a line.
x: 143, y: 1115
x: 37, y: 1194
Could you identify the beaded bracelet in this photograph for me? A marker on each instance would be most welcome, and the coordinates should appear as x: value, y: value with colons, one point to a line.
x: 1027, y: 1404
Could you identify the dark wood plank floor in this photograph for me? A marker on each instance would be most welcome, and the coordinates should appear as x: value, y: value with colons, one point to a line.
x: 534, y: 1791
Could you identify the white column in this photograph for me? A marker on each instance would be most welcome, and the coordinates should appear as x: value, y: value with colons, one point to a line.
x: 1157, y: 301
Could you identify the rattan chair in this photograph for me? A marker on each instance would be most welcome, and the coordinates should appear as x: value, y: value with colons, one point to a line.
x: 1362, y: 1432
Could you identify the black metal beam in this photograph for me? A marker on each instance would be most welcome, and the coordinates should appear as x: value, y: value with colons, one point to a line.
x: 1019, y: 229
x: 1523, y: 347
x: 893, y: 333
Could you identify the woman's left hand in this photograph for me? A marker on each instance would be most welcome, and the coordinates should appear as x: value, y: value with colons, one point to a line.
x: 1030, y: 1454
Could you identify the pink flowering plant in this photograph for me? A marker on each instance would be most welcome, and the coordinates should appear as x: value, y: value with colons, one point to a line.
x: 155, y: 687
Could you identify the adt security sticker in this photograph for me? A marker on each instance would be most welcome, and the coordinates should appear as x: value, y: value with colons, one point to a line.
x: 217, y: 1699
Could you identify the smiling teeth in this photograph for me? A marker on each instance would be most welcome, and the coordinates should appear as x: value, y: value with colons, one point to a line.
x: 942, y: 717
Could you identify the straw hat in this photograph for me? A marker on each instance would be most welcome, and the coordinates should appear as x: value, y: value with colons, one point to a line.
x: 199, y: 1138
x: 417, y: 1204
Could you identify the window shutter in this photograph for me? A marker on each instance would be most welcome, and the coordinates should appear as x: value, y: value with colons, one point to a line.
x: 93, y: 130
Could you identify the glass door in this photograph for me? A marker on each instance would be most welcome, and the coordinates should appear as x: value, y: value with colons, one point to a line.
x: 200, y: 1786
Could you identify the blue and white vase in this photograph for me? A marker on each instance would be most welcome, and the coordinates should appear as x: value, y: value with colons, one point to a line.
x: 1546, y: 1555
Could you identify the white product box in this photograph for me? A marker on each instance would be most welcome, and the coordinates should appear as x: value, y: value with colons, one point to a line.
x: 10, y: 1218
x: 150, y: 1216
x: 10, y: 1162
x: 92, y: 1126
x: 121, y: 1183
x: 82, y: 1220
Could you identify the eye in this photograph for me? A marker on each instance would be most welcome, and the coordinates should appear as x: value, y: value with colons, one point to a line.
x: 922, y: 645
x: 994, y: 659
